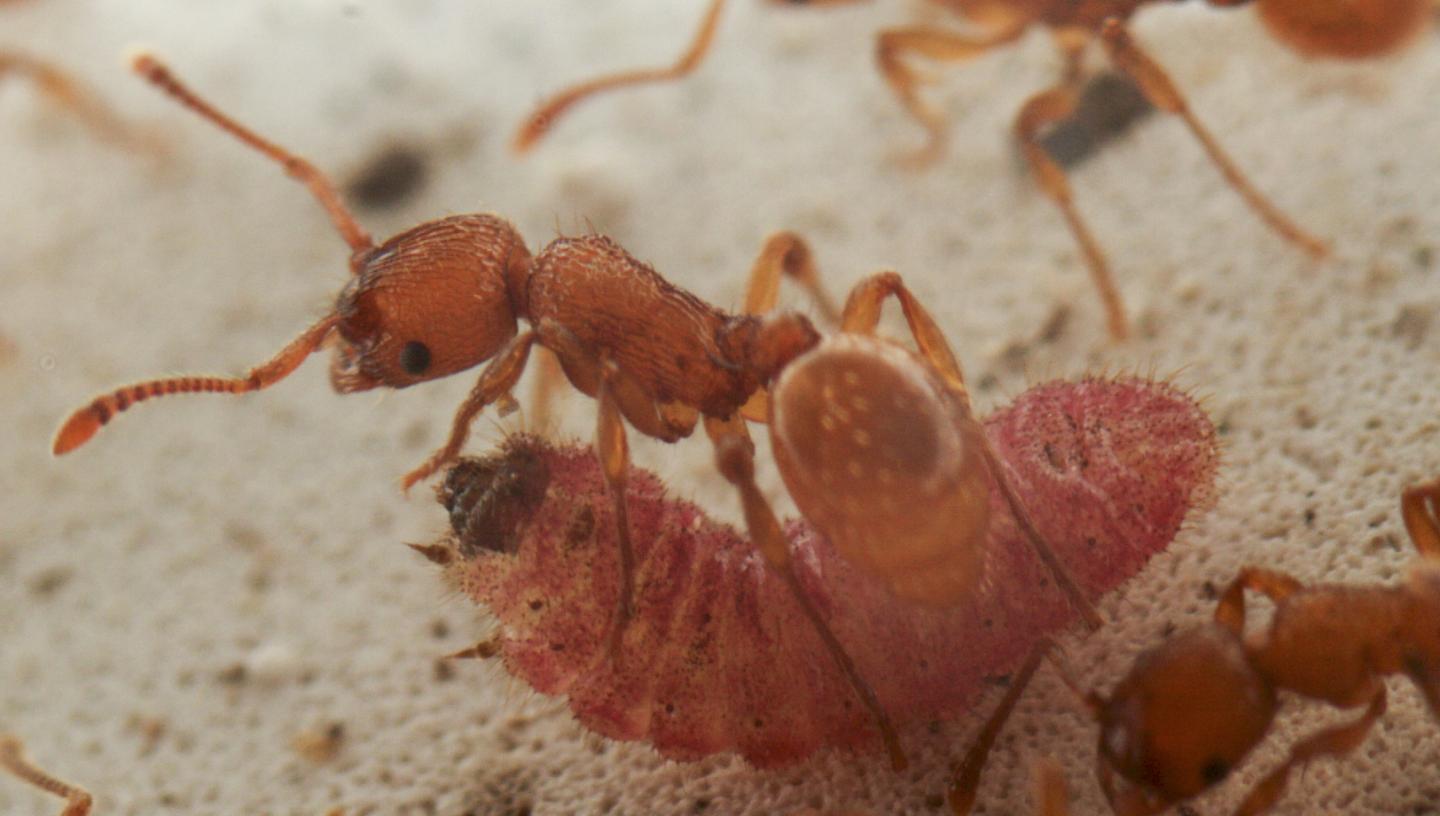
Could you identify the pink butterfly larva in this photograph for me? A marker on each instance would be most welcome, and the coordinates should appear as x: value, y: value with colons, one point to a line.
x: 719, y: 655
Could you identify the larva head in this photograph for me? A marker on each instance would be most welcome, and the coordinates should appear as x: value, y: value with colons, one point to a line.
x: 1186, y: 714
x: 1345, y: 29
x: 881, y: 458
x: 490, y: 499
x: 429, y: 302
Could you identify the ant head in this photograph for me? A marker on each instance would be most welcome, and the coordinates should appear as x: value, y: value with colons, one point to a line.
x: 429, y: 302
x: 1188, y: 712
x: 864, y: 434
x: 1344, y: 29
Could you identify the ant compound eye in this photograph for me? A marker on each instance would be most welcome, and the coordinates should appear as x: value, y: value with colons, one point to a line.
x: 1215, y: 771
x: 415, y: 357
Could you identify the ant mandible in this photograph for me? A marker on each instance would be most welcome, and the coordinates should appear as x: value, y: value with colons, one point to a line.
x: 1192, y: 708
x: 448, y: 294
x: 1350, y: 29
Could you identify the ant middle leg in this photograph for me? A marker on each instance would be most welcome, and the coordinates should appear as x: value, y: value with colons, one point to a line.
x: 1131, y: 60
x: 13, y: 761
x: 735, y: 458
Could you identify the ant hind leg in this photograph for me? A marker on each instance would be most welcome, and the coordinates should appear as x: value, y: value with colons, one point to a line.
x: 735, y: 458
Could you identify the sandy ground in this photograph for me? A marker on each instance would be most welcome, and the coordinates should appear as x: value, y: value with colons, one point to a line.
x: 212, y: 577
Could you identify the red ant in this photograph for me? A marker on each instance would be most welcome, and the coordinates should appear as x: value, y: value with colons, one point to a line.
x: 1192, y: 708
x: 1321, y: 28
x: 448, y: 294
x: 13, y: 761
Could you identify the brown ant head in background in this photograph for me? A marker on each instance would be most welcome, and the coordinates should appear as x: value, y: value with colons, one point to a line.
x: 1344, y: 29
x: 1188, y: 712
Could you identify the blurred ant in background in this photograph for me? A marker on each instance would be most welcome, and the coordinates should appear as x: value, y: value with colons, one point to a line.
x: 1346, y: 29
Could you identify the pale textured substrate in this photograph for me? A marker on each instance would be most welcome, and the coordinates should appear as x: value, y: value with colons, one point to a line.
x: 209, y: 533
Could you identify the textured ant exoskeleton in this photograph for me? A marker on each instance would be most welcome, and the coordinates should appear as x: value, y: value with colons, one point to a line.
x: 1192, y: 708
x: 13, y: 762
x: 1322, y: 28
x: 720, y: 656
x: 449, y: 294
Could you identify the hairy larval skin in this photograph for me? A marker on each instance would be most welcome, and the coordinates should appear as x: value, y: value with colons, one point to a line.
x: 720, y: 657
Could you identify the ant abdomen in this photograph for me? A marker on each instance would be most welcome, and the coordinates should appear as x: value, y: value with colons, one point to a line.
x: 882, y: 459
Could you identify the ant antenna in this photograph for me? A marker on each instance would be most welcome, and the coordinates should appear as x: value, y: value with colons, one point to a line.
x: 152, y: 70
x: 85, y: 422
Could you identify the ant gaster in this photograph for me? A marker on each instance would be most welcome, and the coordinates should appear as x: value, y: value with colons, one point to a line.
x: 1349, y: 29
x: 449, y: 294
x: 1192, y: 708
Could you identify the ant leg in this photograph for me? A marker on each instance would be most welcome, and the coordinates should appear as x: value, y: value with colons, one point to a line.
x: 735, y: 458
x: 894, y: 45
x: 1039, y: 112
x: 495, y: 382
x: 966, y: 781
x: 614, y: 452
x: 1162, y: 93
x: 1048, y: 782
x: 87, y: 421
x: 1418, y: 506
x: 12, y: 759
x: 1277, y: 586
x: 862, y: 314
x: 1336, y: 741
x: 542, y: 392
x: 152, y: 70
x: 79, y: 100
x: 538, y: 123
x: 787, y: 254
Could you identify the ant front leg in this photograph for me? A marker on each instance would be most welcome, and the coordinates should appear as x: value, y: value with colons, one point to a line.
x: 862, y: 314
x: 1039, y: 112
x: 1162, y: 93
x: 1337, y: 741
x: 894, y: 45
x: 735, y: 457
x: 539, y: 123
x: 1418, y: 507
x: 12, y: 759
x: 1277, y: 586
x: 495, y: 382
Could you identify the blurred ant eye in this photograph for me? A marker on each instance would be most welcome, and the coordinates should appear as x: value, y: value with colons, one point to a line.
x: 1214, y: 771
x: 415, y: 357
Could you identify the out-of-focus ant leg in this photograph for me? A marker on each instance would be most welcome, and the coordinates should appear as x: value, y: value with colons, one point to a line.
x: 540, y: 122
x: 1129, y: 58
x: 12, y: 759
